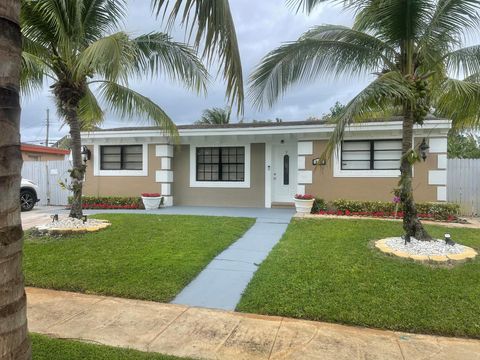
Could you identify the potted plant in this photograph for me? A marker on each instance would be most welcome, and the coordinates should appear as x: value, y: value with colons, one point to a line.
x: 151, y: 201
x: 304, y: 203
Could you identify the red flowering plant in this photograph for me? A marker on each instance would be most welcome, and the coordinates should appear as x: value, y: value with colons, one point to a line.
x: 304, y: 197
x: 151, y: 195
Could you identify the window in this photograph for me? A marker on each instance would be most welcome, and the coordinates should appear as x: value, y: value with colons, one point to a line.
x: 220, y: 163
x: 286, y: 170
x: 121, y: 157
x: 371, y: 155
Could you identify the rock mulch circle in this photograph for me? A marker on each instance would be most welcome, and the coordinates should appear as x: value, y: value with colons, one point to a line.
x: 437, y: 251
x: 70, y: 225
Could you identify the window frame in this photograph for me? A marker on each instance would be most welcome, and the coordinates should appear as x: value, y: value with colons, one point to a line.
x: 97, y: 171
x: 220, y: 164
x: 372, y: 151
x: 122, y: 156
x: 358, y: 173
x: 194, y: 183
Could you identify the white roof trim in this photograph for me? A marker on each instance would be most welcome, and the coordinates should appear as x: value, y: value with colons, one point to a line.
x: 268, y: 130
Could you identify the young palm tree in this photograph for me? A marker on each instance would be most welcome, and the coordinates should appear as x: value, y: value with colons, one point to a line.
x: 14, y: 343
x: 212, y: 22
x: 415, y: 49
x: 215, y: 116
x: 75, y: 45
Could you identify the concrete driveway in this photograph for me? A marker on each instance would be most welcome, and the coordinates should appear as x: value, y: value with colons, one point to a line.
x: 39, y: 215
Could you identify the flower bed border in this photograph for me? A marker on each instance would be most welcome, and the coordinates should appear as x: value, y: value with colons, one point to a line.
x: 467, y: 254
x: 385, y: 215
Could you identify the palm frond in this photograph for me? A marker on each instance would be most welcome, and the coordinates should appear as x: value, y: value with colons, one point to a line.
x: 111, y: 57
x: 33, y: 73
x: 101, y: 16
x: 117, y: 58
x: 215, y: 30
x: 394, y: 21
x: 449, y: 21
x: 326, y: 51
x: 215, y: 116
x: 128, y: 103
x: 89, y: 111
x: 379, y: 99
x: 459, y: 100
x: 160, y: 54
x: 463, y: 62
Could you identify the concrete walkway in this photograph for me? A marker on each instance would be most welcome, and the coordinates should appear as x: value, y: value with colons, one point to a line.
x: 214, y: 334
x: 221, y: 284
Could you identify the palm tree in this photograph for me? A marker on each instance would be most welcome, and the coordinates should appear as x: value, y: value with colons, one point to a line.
x: 215, y: 116
x: 75, y: 45
x: 415, y: 48
x: 212, y: 22
x: 14, y: 343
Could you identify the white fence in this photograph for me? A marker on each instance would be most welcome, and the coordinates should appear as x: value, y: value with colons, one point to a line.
x: 463, y: 185
x: 47, y: 175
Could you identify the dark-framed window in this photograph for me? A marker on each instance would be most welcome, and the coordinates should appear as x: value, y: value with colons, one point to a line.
x: 371, y: 154
x: 121, y: 157
x: 220, y: 163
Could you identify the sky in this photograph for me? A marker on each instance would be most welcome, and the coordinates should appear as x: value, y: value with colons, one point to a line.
x: 262, y: 25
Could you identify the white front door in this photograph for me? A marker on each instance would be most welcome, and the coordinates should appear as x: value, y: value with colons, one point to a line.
x: 284, y: 174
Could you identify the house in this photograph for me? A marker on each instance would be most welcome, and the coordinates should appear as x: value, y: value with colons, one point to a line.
x: 42, y: 153
x: 262, y: 164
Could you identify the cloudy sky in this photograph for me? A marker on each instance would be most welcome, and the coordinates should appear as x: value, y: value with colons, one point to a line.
x: 262, y: 25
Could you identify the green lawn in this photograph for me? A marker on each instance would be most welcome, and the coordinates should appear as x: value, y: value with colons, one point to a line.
x: 150, y: 257
x: 45, y: 348
x: 327, y: 270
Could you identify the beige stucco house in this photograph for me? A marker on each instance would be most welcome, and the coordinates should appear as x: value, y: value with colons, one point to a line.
x: 262, y: 164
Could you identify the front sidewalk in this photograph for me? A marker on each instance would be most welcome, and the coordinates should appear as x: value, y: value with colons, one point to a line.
x: 214, y: 334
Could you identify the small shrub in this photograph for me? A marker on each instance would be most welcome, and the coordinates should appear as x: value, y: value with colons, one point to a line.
x: 430, y: 210
x: 110, y: 202
x: 319, y: 205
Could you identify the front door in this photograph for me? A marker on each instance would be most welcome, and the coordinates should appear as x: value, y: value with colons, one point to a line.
x: 284, y: 175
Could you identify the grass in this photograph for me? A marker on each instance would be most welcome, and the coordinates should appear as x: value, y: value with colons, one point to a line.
x: 45, y: 348
x: 328, y: 270
x: 147, y: 257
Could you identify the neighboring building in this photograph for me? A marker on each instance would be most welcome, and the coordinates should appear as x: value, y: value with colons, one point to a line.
x: 262, y: 164
x: 42, y: 153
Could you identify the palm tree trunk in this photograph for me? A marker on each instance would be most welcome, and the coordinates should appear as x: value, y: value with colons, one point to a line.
x: 14, y: 342
x: 411, y: 225
x: 78, y: 171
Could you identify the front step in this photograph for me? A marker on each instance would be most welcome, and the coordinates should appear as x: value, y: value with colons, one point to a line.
x: 283, y: 205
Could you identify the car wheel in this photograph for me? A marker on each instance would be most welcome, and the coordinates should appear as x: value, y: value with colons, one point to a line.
x: 27, y: 200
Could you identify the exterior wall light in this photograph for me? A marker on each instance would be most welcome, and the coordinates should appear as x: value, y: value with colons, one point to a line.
x: 424, y: 149
x: 317, y: 161
x: 86, y: 154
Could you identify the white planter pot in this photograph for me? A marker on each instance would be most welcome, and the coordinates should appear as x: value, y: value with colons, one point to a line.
x: 151, y: 203
x: 303, y: 206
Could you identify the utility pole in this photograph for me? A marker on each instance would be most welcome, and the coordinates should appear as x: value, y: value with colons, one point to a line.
x: 48, y: 127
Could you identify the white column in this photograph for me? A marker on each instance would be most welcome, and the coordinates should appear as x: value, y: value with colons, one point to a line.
x: 164, y: 176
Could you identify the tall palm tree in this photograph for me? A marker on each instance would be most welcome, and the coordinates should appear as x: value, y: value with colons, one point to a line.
x: 415, y: 47
x: 215, y: 116
x: 14, y: 343
x: 214, y: 28
x: 75, y: 45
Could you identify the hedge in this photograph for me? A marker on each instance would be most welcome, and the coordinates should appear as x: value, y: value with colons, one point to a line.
x: 110, y: 202
x: 429, y: 210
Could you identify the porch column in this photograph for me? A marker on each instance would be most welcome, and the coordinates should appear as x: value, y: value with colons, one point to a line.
x: 164, y: 176
x: 304, y: 177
